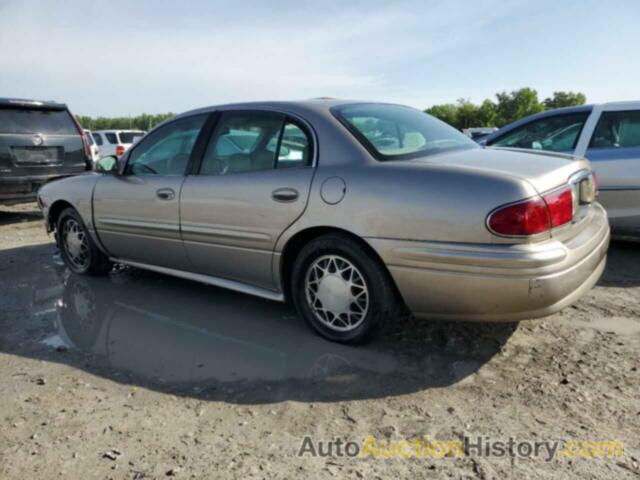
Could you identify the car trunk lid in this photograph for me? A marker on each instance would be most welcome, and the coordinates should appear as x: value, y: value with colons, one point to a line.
x: 545, y: 171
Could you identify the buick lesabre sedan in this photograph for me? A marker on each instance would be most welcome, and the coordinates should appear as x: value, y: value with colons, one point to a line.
x: 351, y: 210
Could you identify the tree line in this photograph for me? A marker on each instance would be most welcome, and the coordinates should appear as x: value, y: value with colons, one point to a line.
x: 143, y: 121
x: 508, y: 107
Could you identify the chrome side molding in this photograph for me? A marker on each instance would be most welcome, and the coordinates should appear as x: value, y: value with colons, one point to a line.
x: 209, y: 280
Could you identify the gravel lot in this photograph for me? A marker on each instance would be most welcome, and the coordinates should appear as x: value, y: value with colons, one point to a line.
x: 143, y: 376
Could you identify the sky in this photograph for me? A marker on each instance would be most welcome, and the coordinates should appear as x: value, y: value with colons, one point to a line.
x: 119, y: 58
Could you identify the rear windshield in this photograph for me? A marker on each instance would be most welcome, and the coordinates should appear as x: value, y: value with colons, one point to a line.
x: 394, y: 132
x: 14, y: 120
x: 127, y: 137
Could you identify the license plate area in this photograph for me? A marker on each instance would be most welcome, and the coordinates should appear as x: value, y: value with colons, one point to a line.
x: 587, y: 188
x: 37, y: 156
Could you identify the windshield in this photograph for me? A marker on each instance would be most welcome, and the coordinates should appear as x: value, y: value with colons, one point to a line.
x: 52, y: 122
x: 128, y: 137
x: 394, y: 132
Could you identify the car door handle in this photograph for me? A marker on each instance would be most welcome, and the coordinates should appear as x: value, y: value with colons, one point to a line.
x: 284, y: 194
x: 166, y: 194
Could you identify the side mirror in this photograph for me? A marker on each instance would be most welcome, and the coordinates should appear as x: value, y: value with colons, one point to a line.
x: 108, y: 165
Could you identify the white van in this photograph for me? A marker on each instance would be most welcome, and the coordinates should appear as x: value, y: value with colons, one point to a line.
x: 116, y: 142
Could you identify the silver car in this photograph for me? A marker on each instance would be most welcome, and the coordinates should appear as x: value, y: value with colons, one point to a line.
x: 351, y: 210
x: 608, y: 135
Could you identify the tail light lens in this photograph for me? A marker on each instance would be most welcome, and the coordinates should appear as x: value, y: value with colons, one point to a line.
x: 119, y: 150
x: 560, y: 205
x: 534, y: 216
x: 85, y: 140
x: 526, y: 218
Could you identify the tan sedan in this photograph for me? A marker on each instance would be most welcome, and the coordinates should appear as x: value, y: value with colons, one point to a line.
x: 351, y: 210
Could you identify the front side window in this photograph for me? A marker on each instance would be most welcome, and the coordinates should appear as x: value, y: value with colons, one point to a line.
x: 617, y: 130
x: 97, y: 138
x: 559, y: 133
x: 393, y: 132
x: 167, y: 150
x: 243, y: 142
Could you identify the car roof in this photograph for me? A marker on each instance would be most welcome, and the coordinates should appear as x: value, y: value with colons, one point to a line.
x: 322, y: 104
x: 628, y: 104
x: 30, y: 103
x: 117, y: 130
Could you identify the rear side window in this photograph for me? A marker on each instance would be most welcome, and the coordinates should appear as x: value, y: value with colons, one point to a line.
x: 295, y: 150
x: 617, y: 130
x: 111, y: 138
x: 559, y: 133
x: 25, y: 121
x: 97, y: 138
x: 243, y: 142
x: 127, y: 137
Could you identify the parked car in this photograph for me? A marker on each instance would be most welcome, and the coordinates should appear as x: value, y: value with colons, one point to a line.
x: 352, y: 210
x: 39, y: 141
x: 116, y: 142
x: 608, y: 135
x: 93, y: 147
x: 477, y: 133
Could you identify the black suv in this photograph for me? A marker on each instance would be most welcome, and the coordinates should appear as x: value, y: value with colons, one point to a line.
x: 39, y: 141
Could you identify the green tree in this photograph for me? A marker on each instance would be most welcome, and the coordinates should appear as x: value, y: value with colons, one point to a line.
x: 143, y: 121
x: 447, y: 112
x: 564, y: 99
x: 516, y: 104
x: 466, y: 114
x: 508, y: 108
x: 486, y: 116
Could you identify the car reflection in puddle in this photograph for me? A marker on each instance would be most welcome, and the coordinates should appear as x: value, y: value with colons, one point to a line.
x: 190, y: 339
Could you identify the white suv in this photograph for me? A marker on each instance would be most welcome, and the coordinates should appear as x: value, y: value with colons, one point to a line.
x: 116, y: 142
x: 93, y: 147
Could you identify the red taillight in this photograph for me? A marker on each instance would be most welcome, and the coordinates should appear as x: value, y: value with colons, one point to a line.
x: 534, y: 216
x: 526, y: 218
x: 560, y: 205
x: 596, y: 183
x: 119, y: 150
x: 85, y: 141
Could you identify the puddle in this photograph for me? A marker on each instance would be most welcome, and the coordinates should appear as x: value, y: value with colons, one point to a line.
x: 179, y: 336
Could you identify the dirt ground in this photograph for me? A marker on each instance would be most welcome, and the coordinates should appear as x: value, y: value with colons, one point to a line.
x: 139, y: 375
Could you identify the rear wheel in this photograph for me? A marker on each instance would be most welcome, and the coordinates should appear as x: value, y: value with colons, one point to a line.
x: 78, y: 250
x: 342, y: 290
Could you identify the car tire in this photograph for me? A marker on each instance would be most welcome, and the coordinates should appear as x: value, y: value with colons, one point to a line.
x: 78, y: 250
x: 343, y: 291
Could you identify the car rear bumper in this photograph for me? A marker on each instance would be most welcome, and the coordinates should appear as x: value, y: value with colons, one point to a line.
x: 497, y: 282
x: 23, y: 189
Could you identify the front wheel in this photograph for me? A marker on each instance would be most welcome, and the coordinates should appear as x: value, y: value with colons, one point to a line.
x: 79, y: 252
x: 341, y: 290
